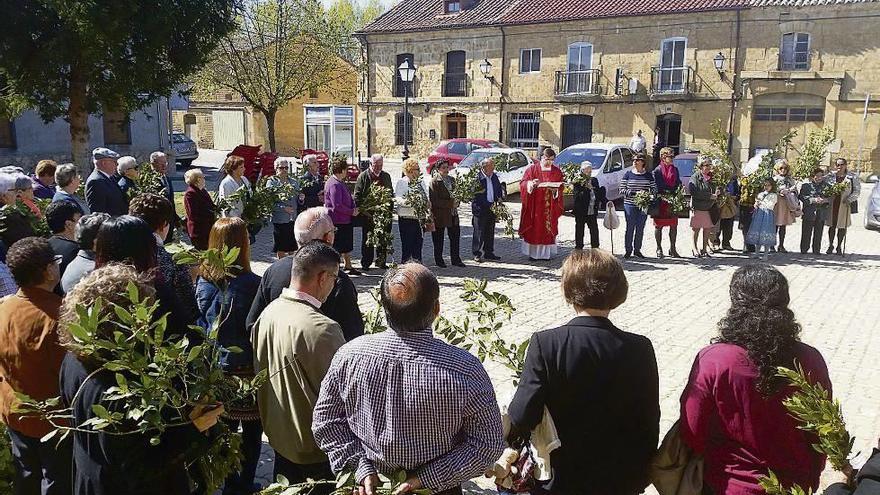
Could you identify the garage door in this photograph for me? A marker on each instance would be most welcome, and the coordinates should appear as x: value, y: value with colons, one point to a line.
x: 228, y: 129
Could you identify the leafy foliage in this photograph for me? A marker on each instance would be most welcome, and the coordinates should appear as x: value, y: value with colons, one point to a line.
x: 773, y: 486
x: 502, y: 213
x: 416, y: 199
x: 374, y: 319
x: 7, y: 468
x: 676, y: 200
x: 813, y: 152
x: 379, y: 205
x: 832, y: 189
x: 723, y: 169
x: 467, y: 186
x: 149, y: 181
x: 752, y: 184
x: 343, y: 485
x: 352, y: 16
x: 643, y: 200
x: 38, y: 225
x: 259, y: 203
x: 573, y: 176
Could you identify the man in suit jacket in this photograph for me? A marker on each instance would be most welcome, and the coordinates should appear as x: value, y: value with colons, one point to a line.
x: 587, y: 202
x: 815, y: 208
x: 159, y: 162
x: 296, y: 343
x: 483, y: 220
x: 103, y: 194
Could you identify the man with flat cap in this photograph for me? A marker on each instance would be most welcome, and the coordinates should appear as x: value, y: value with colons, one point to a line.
x: 103, y: 194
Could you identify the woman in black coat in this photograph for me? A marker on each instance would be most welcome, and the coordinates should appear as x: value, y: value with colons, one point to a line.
x: 587, y: 201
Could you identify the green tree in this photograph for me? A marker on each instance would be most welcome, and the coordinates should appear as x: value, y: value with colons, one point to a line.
x: 280, y: 50
x: 71, y: 58
x: 352, y: 17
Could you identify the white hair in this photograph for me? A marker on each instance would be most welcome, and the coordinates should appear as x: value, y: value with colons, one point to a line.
x: 585, y: 164
x: 7, y: 182
x: 281, y: 161
x: 156, y: 155
x: 485, y: 161
x: 190, y: 176
x: 376, y: 157
x: 312, y: 224
x: 309, y: 159
x: 125, y: 164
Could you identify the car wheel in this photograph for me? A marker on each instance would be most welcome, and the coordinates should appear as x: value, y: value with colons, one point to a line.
x: 504, y: 188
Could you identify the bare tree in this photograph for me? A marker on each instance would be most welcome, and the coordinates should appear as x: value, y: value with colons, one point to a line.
x: 281, y: 50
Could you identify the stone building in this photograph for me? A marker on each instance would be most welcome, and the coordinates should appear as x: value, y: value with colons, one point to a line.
x: 559, y: 72
x: 322, y: 119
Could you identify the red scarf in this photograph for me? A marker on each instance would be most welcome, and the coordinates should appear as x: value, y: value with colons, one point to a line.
x: 668, y: 173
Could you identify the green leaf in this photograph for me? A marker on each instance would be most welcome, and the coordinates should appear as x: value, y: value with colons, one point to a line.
x: 100, y: 411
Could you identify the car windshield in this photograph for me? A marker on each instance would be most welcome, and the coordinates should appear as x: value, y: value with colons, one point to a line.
x: 685, y: 166
x: 595, y: 156
x: 476, y: 157
x: 179, y: 138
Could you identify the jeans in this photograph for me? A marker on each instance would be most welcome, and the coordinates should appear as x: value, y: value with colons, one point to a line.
x: 251, y: 444
x: 635, y: 228
x: 484, y: 234
x: 39, y: 467
x: 411, y: 238
x: 368, y: 253
x: 298, y: 473
x: 592, y: 223
x: 454, y: 238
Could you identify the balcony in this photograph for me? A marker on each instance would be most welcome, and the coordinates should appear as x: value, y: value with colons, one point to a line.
x: 455, y: 84
x: 577, y: 82
x: 672, y: 80
x: 399, y: 86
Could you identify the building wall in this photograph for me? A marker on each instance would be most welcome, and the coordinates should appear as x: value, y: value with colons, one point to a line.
x: 844, y: 69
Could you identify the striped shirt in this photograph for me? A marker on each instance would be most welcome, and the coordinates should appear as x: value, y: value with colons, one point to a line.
x: 408, y: 401
x: 633, y: 182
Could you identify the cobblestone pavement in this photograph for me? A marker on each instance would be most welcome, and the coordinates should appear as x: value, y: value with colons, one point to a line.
x: 677, y: 303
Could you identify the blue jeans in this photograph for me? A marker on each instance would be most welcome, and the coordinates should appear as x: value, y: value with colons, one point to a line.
x: 411, y: 239
x: 635, y: 228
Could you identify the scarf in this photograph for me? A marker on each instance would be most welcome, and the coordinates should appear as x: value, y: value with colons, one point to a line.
x: 668, y: 173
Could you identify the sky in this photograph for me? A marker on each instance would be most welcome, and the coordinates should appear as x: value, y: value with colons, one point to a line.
x: 386, y: 3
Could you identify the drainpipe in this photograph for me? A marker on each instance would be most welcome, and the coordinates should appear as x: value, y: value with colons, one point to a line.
x: 502, y: 87
x: 735, y: 81
x: 366, y: 84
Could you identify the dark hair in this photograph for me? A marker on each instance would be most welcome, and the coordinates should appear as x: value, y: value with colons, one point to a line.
x: 154, y: 209
x: 549, y: 153
x: 87, y: 229
x: 340, y: 164
x: 840, y: 159
x: 232, y: 162
x: 408, y: 294
x: 593, y: 279
x: 817, y: 171
x: 771, y: 182
x: 313, y: 258
x: 27, y: 260
x: 58, y: 213
x: 760, y: 321
x: 228, y: 232
x: 126, y: 239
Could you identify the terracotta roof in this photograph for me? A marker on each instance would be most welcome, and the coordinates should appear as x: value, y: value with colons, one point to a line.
x: 415, y: 15
x: 536, y: 11
x: 804, y: 3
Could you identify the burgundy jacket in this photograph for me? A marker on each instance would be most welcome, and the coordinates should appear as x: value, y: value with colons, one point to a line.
x: 200, y: 216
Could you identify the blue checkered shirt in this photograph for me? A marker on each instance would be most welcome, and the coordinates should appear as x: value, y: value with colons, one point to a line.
x: 408, y: 401
x: 7, y: 283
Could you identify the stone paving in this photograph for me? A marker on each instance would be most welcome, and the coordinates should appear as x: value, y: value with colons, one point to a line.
x: 677, y: 303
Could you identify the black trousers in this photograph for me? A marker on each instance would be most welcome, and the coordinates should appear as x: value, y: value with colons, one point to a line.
x: 726, y: 231
x: 40, y: 468
x: 299, y: 473
x: 368, y: 253
x: 411, y: 239
x: 590, y: 221
x: 812, y: 228
x: 484, y: 234
x: 251, y: 445
x: 745, y: 221
x: 454, y: 232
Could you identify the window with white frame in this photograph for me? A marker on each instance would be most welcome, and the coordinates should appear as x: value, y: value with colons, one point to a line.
x: 524, y: 130
x: 580, y: 64
x: 795, y: 52
x: 330, y: 128
x: 529, y: 60
x: 672, y: 73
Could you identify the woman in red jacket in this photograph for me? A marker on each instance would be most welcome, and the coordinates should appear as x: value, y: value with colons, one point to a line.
x: 200, y: 209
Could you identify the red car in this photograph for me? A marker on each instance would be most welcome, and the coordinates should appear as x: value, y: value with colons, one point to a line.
x: 454, y: 150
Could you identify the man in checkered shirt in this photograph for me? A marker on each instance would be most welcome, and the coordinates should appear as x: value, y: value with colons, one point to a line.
x: 404, y: 400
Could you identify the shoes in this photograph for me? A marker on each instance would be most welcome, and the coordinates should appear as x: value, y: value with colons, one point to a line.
x: 440, y: 263
x: 674, y: 253
x: 638, y: 254
x: 627, y: 256
x: 478, y: 258
x: 839, y: 251
x: 660, y: 253
x: 492, y: 257
x: 697, y: 254
x: 705, y: 254
x: 782, y: 249
x: 772, y: 249
x: 829, y: 250
x: 353, y: 271
x: 458, y: 263
x: 727, y: 247
x: 532, y: 259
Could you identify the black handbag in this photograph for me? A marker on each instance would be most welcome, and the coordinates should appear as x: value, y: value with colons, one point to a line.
x: 853, y: 207
x: 715, y: 213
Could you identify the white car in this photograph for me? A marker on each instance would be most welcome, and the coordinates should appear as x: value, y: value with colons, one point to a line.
x: 872, y: 209
x: 185, y: 150
x: 610, y: 162
x: 510, y: 170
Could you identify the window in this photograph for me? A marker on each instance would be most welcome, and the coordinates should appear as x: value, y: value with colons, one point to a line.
x: 672, y: 65
x: 451, y: 6
x: 399, y: 128
x: 792, y: 114
x: 458, y: 148
x: 615, y: 162
x: 117, y: 128
x: 7, y: 134
x: 580, y: 62
x: 518, y: 160
x: 529, y: 60
x: 330, y: 129
x: 455, y: 79
x: 524, y: 130
x: 627, y: 156
x: 398, y: 82
x: 795, y: 52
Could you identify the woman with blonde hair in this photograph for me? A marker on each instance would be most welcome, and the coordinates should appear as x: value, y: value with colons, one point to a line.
x: 786, y: 189
x: 411, y: 235
x: 201, y: 213
x: 225, y: 301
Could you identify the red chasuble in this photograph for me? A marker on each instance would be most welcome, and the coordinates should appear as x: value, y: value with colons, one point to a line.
x: 539, y: 222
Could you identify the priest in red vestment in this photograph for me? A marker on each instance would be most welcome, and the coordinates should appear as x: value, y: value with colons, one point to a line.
x: 541, y: 191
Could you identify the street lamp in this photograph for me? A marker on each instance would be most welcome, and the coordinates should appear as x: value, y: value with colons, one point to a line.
x: 485, y: 68
x: 719, y: 64
x: 407, y: 72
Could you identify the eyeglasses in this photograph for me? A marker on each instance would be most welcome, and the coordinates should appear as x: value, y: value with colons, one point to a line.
x: 282, y: 168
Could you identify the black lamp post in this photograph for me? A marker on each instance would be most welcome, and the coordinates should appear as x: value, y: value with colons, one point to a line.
x: 407, y: 73
x: 719, y: 64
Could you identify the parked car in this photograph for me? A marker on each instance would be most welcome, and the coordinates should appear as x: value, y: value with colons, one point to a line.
x: 610, y: 162
x: 872, y: 209
x: 185, y: 149
x: 510, y: 170
x: 686, y: 163
x: 454, y: 150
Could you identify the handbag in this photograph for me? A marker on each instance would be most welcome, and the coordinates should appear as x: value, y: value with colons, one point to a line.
x: 714, y: 213
x: 675, y: 469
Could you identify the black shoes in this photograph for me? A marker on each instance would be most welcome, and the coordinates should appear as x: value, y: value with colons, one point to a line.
x: 440, y: 263
x: 639, y: 255
x: 458, y: 263
x: 659, y: 253
x: 492, y: 257
x: 674, y: 253
x: 627, y: 256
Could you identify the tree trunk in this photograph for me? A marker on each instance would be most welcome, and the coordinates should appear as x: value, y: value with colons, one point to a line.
x: 270, y: 126
x: 78, y: 116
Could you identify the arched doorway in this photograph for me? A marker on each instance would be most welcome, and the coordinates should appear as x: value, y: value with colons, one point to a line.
x: 668, y: 131
x: 576, y: 129
x: 454, y: 126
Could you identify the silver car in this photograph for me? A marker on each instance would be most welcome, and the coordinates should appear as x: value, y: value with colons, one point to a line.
x: 185, y: 150
x: 872, y: 209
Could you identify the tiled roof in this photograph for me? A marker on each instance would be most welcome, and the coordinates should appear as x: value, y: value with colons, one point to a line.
x: 804, y: 3
x: 417, y: 15
x: 536, y: 11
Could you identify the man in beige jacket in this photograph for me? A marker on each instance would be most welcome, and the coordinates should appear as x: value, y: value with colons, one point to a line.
x: 296, y: 344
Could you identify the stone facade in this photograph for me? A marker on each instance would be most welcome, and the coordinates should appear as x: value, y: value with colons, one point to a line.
x: 843, y: 69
